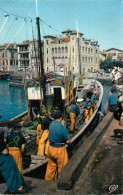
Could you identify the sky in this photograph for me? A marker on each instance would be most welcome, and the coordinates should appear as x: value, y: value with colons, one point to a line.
x: 101, y: 20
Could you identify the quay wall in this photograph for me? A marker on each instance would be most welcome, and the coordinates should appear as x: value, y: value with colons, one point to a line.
x: 72, y: 170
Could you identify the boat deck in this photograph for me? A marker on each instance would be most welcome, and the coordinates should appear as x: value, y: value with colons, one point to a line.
x: 103, y: 170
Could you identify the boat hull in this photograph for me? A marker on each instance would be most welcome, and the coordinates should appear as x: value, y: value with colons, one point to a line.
x: 77, y: 139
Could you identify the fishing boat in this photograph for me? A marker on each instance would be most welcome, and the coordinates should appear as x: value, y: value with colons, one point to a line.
x: 4, y: 76
x: 32, y: 162
x: 52, y: 90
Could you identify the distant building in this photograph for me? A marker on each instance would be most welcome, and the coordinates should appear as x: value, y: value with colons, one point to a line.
x: 114, y: 54
x: 28, y: 56
x: 8, y: 57
x: 70, y: 52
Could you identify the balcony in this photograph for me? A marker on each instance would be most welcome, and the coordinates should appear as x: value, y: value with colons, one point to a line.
x: 24, y: 51
x: 24, y: 59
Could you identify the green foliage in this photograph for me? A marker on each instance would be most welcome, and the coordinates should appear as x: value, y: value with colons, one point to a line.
x: 110, y: 64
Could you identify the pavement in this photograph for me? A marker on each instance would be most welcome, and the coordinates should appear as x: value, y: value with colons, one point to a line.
x: 103, y: 174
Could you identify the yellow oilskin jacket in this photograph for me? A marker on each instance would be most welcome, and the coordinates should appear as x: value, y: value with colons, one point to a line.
x: 72, y: 121
x: 16, y: 153
x: 38, y: 133
x: 43, y: 143
x: 57, y: 159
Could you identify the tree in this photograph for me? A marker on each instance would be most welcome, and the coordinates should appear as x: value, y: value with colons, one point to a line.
x: 110, y: 64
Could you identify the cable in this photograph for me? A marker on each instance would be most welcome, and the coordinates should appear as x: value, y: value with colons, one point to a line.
x: 13, y: 38
x: 14, y: 14
x: 8, y: 30
x: 3, y: 24
x: 29, y: 18
x: 49, y: 26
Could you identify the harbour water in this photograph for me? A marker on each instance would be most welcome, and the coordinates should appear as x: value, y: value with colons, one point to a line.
x: 12, y: 100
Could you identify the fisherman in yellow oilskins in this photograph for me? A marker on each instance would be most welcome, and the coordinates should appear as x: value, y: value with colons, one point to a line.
x: 43, y: 140
x: 87, y: 105
x: 63, y: 121
x: 57, y: 153
x: 74, y: 111
x: 39, y: 132
x: 16, y: 144
x: 94, y: 101
x: 40, y: 117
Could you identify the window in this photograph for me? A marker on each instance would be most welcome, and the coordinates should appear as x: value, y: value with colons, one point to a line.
x: 52, y: 50
x: 83, y: 59
x: 10, y: 62
x: 66, y: 50
x: 47, y: 42
x: 59, y: 50
x: 55, y: 50
x: 47, y: 51
x: 89, y: 50
x: 86, y: 60
x: 62, y: 49
x: 47, y: 60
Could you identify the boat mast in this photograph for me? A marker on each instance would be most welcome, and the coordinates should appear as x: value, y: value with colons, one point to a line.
x: 41, y: 68
x: 26, y: 96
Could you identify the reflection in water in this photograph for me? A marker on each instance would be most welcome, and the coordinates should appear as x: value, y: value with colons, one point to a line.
x: 12, y: 101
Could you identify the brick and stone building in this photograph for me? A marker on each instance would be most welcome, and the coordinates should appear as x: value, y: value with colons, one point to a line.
x: 114, y: 54
x: 8, y: 57
x: 70, y: 52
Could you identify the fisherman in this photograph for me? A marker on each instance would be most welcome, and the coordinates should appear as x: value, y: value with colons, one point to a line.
x: 16, y: 144
x: 5, y: 130
x: 43, y: 141
x: 87, y: 105
x: 57, y: 154
x: 74, y: 111
x: 113, y: 101
x: 38, y: 130
x: 63, y: 121
x: 120, y: 101
x: 40, y: 117
x: 94, y: 101
x: 10, y: 172
x: 117, y: 77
